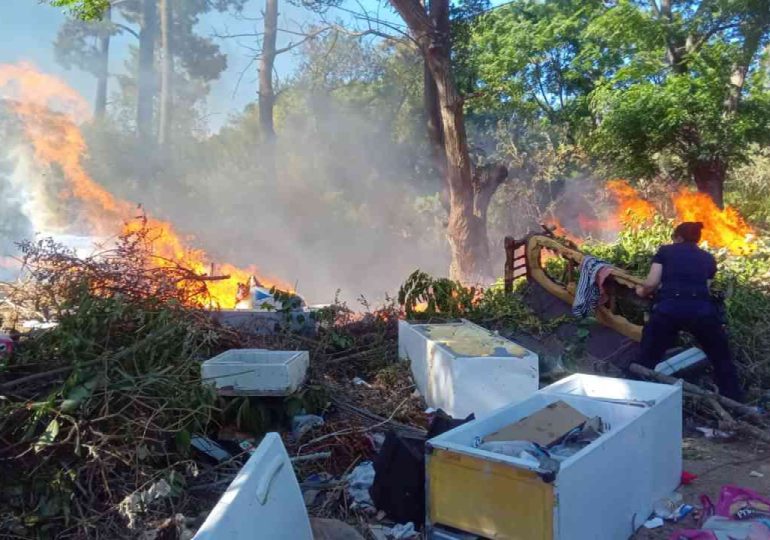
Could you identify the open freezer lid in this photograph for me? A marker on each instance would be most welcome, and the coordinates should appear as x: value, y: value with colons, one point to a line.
x: 263, y: 501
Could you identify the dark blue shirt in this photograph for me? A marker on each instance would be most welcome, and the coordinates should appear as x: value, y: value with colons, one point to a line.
x: 686, y: 269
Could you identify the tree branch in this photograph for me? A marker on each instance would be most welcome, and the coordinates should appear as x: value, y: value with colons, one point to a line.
x: 127, y: 29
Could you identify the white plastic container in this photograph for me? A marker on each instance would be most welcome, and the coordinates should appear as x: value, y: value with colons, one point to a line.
x: 463, y: 368
x: 263, y: 501
x: 659, y: 429
x: 603, y: 492
x: 684, y: 360
x: 256, y: 372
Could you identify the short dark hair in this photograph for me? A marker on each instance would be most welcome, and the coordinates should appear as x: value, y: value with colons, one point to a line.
x: 689, y: 231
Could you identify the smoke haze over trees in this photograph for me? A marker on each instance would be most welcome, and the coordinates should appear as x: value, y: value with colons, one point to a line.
x: 349, y: 165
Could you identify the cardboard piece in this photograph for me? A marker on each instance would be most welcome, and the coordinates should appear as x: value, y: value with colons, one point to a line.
x: 544, y: 427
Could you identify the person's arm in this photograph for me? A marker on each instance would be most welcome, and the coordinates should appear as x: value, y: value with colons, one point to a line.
x: 652, y: 282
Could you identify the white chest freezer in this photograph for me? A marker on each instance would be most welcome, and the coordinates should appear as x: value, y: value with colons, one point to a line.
x: 463, y: 368
x: 605, y: 491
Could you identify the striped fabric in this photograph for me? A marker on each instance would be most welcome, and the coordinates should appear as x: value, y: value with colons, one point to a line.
x: 588, y: 292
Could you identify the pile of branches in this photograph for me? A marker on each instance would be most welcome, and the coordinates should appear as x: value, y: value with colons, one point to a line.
x: 97, y: 413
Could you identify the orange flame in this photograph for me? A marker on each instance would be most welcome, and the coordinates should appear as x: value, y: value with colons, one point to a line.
x: 722, y: 228
x: 632, y: 209
x: 49, y: 110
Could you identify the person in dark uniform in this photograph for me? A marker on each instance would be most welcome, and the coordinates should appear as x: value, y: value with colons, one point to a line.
x: 679, y: 278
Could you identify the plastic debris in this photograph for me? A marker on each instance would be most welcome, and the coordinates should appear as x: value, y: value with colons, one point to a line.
x: 302, y: 423
x: 358, y: 381
x: 653, y: 523
x: 756, y: 474
x: 360, y: 480
x: 403, y: 531
x: 210, y: 448
x: 688, y: 478
x: 711, y: 433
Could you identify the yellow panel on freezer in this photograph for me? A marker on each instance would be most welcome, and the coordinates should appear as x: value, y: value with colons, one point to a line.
x: 488, y: 498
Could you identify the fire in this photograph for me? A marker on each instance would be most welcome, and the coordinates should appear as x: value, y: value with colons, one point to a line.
x: 632, y: 209
x: 49, y: 110
x: 722, y: 228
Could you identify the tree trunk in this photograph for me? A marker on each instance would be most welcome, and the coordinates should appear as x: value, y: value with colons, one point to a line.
x: 439, y: 15
x: 266, y: 93
x: 146, y: 74
x: 103, y: 73
x: 466, y: 230
x: 709, y: 177
x: 167, y: 72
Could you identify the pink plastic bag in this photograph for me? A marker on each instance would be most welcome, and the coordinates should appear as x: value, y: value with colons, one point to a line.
x: 741, y: 503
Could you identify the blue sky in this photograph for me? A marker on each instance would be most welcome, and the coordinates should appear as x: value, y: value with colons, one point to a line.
x: 29, y: 29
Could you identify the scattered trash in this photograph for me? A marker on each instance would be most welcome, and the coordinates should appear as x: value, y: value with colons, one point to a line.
x: 403, y: 531
x: 756, y: 474
x: 137, y: 502
x: 688, y: 360
x: 315, y: 456
x: 376, y: 440
x: 359, y: 481
x: 653, y: 523
x: 247, y: 445
x: 671, y: 508
x: 358, y: 381
x: 688, y: 478
x: 545, y: 427
x: 210, y: 448
x: 399, y: 483
x: 303, y: 423
x: 379, y: 532
x: 309, y: 496
x: 735, y: 529
x: 711, y: 433
x: 6, y: 345
x: 333, y: 529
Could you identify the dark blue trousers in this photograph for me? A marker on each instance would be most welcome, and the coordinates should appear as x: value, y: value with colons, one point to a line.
x: 701, y: 319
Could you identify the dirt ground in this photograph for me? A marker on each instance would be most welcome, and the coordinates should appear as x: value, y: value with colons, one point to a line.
x: 716, y: 463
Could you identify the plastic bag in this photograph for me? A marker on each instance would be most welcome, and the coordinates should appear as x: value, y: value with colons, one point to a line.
x: 740, y: 503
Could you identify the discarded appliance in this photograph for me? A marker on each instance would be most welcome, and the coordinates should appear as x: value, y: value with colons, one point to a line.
x: 604, y: 491
x: 256, y: 372
x: 263, y: 322
x: 263, y: 501
x: 660, y: 427
x: 465, y: 369
x: 686, y: 360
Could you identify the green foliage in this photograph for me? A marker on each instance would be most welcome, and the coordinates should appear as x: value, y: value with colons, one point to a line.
x: 87, y: 10
x: 423, y: 297
x: 748, y: 188
x: 604, y: 72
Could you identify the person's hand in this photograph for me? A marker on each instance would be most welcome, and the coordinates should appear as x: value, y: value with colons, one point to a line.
x: 640, y: 291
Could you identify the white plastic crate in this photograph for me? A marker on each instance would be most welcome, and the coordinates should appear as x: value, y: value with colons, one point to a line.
x: 463, y: 368
x: 256, y: 372
x: 603, y: 492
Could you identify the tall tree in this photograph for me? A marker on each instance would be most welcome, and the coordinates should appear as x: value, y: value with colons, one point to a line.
x: 145, y: 78
x: 86, y: 45
x: 167, y: 71
x: 266, y: 66
x: 647, y: 87
x: 469, y: 194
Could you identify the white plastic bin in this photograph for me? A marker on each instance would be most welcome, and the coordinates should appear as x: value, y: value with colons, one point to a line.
x: 603, y: 492
x: 256, y: 372
x: 263, y: 501
x: 659, y: 428
x: 463, y: 368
